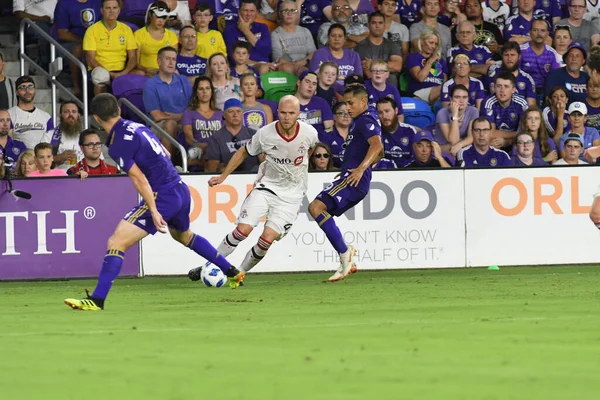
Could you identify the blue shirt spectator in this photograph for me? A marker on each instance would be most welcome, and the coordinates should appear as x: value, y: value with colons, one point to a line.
x: 255, y: 33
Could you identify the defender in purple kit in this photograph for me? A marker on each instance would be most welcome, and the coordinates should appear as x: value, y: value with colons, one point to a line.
x: 165, y: 204
x: 363, y: 149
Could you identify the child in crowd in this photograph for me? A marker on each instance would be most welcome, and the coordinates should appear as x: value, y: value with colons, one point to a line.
x: 43, y: 160
x: 241, y: 55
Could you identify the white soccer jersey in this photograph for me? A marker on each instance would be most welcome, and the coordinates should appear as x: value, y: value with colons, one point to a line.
x: 497, y: 17
x: 285, y: 169
x: 593, y: 10
x: 29, y: 127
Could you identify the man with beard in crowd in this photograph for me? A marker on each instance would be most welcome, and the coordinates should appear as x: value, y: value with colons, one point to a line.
x: 511, y: 59
x: 65, y: 137
x: 397, y: 137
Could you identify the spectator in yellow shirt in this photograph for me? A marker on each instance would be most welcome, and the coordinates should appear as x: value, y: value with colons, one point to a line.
x: 153, y: 37
x: 109, y: 47
x: 209, y: 41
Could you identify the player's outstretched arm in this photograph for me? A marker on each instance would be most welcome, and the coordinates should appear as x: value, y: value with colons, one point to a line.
x: 237, y: 159
x: 143, y: 187
x: 374, y: 154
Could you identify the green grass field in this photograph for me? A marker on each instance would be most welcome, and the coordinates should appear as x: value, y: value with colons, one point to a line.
x: 517, y: 333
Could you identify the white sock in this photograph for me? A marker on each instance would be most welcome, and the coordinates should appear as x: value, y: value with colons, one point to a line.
x: 230, y: 242
x: 255, y: 254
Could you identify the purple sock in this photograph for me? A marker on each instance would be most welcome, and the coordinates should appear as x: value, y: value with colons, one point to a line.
x: 327, y: 224
x: 202, y: 247
x: 113, y: 260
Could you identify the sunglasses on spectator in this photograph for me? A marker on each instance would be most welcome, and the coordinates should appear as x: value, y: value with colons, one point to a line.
x: 289, y: 11
x: 95, y: 145
x: 338, y: 8
x: 321, y: 155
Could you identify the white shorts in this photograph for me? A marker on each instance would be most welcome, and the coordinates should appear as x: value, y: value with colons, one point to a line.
x: 262, y: 203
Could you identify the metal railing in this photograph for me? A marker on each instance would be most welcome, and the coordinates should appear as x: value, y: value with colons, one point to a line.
x: 56, y: 67
x: 157, y: 129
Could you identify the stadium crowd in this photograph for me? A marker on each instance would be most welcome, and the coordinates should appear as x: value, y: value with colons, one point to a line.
x: 461, y: 83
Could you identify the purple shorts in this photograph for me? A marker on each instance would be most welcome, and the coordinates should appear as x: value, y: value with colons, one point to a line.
x: 173, y: 204
x: 339, y: 196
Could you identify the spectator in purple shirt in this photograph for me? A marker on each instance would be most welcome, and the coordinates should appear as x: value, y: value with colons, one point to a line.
x: 480, y: 56
x: 462, y: 67
x: 518, y: 26
x: 71, y: 19
x: 313, y: 110
x: 378, y: 87
x: 255, y: 33
x: 547, y: 10
x: 593, y: 103
x: 481, y: 153
x: 189, y: 64
x: 538, y: 58
x: 523, y: 155
x: 511, y: 56
x: 577, y: 118
x: 543, y: 147
x: 336, y: 137
x: 427, y: 69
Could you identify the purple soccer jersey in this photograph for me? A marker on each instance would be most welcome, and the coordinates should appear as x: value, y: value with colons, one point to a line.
x: 478, y: 54
x: 131, y: 143
x: 347, y: 65
x: 476, y: 90
x: 471, y: 158
x: 76, y: 17
x: 525, y: 84
x: 435, y: 76
x: 539, y: 66
x: 517, y: 25
x: 537, y: 152
x: 202, y: 127
x: 389, y: 91
x: 335, y: 141
x: 550, y: 120
x: 409, y: 13
x: 315, y: 112
x: 505, y: 118
x: 190, y: 66
x: 546, y: 10
x: 397, y: 145
x: 261, y: 51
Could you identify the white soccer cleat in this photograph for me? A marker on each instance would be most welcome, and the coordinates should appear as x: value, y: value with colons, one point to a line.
x: 347, y: 266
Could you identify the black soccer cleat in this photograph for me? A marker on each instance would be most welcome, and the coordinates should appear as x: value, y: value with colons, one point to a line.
x: 195, y: 274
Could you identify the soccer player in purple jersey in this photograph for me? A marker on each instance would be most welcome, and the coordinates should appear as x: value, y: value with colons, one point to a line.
x: 363, y: 149
x: 165, y: 205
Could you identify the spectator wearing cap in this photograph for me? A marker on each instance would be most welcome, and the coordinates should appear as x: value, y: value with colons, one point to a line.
x: 572, y: 153
x: 340, y: 13
x: 8, y: 93
x: 109, y: 47
x: 571, y: 76
x: 378, y: 87
x: 481, y: 153
x: 538, y: 58
x: 480, y: 57
x: 223, y: 144
x: 336, y: 137
x: 189, y: 64
x: 71, y: 20
x: 524, y: 155
x: 578, y: 115
x: 29, y: 123
x: 180, y: 15
x: 11, y: 148
x: 91, y: 163
x: 42, y: 13
x: 453, y: 123
x: 348, y: 61
x: 293, y: 45
x: 397, y: 137
x: 504, y: 109
x: 427, y: 68
x: 65, y: 137
x: 376, y: 47
x: 427, y: 152
x: 167, y: 94
x: 430, y: 11
x: 582, y: 31
x: 153, y: 37
x: 511, y: 58
x: 314, y: 110
x: 255, y: 33
x: 462, y: 68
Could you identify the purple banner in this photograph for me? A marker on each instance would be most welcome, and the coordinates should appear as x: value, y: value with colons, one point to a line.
x: 61, y: 232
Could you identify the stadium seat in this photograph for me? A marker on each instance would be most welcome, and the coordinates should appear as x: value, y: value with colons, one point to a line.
x: 130, y: 87
x: 278, y: 84
x: 417, y: 112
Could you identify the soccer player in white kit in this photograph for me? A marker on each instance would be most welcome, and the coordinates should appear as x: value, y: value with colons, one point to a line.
x: 280, y: 184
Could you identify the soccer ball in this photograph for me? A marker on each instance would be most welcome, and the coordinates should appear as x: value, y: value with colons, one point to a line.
x: 212, y: 276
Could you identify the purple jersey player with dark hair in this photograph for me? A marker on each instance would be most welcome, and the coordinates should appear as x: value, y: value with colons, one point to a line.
x: 165, y: 204
x: 363, y: 149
